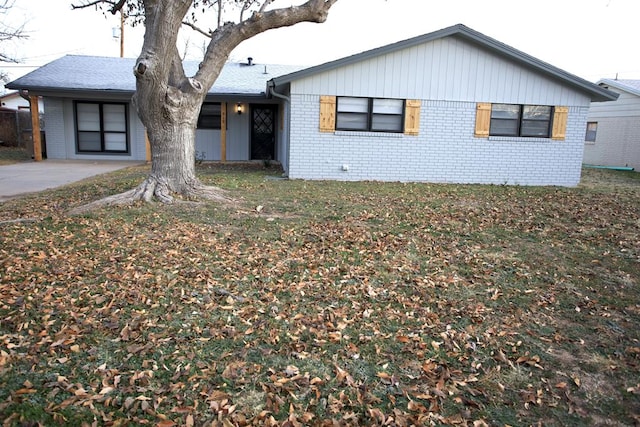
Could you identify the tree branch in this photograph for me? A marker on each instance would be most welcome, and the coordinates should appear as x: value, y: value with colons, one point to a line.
x: 5, y: 58
x: 92, y: 3
x: 118, y: 6
x: 197, y: 29
x: 219, y: 14
x: 227, y: 37
x: 264, y: 5
x: 8, y: 33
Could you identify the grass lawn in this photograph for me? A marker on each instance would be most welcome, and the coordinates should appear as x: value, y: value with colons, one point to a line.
x: 324, y: 303
x: 10, y: 155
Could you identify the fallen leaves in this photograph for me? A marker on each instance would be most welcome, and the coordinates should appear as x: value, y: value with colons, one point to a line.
x: 530, y: 361
x: 385, y: 304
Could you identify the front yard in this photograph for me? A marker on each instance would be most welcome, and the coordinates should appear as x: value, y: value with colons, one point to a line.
x: 10, y: 155
x: 324, y: 303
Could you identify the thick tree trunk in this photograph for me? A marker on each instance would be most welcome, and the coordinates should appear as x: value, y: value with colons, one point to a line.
x: 173, y: 160
x: 173, y: 156
x: 172, y: 171
x: 168, y: 102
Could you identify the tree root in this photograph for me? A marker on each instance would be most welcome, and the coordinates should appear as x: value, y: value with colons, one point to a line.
x: 154, y: 189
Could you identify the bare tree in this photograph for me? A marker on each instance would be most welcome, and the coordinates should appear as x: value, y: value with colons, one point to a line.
x: 8, y: 33
x: 168, y: 101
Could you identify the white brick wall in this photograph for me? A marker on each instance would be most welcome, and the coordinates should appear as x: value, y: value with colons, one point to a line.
x: 444, y: 151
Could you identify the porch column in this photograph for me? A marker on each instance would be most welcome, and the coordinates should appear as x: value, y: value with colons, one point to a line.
x: 147, y: 146
x: 223, y: 131
x: 35, y: 128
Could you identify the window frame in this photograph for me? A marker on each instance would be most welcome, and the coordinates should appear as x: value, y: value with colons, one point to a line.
x: 588, y: 132
x: 370, y: 115
x: 520, y: 121
x: 102, y: 132
x: 217, y: 118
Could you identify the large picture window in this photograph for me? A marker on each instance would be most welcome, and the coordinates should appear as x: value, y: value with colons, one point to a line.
x: 521, y: 120
x: 102, y: 127
x: 370, y: 114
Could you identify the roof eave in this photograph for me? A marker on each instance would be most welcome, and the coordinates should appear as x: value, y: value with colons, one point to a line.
x: 617, y: 85
x: 238, y: 94
x: 605, y: 96
x: 53, y: 91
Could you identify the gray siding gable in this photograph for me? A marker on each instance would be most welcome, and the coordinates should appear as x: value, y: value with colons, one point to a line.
x: 593, y: 91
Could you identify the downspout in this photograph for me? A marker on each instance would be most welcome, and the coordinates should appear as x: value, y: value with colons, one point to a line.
x: 25, y: 94
x: 287, y: 101
x: 273, y: 92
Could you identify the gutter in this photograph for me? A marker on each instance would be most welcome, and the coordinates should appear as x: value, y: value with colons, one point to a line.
x: 273, y: 92
x: 24, y: 94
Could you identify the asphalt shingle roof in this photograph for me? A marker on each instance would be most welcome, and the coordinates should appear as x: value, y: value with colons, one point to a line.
x: 632, y: 86
x: 90, y: 73
x: 93, y: 73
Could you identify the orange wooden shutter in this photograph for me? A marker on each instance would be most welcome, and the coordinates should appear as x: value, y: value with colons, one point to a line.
x: 560, y: 115
x: 327, y: 113
x: 483, y: 119
x: 412, y: 117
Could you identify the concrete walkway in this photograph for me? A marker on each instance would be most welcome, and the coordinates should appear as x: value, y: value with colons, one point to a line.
x: 31, y: 177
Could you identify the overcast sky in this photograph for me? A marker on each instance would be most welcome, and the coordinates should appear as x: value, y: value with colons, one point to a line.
x: 590, y: 38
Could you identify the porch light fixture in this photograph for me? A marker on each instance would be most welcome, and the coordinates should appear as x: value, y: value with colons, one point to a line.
x: 238, y: 108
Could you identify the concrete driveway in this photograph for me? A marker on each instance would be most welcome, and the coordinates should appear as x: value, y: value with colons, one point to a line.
x: 31, y: 177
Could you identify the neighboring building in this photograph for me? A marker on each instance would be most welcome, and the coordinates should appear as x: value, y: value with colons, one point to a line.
x: 613, y: 128
x: 15, y: 121
x: 13, y: 101
x: 449, y: 106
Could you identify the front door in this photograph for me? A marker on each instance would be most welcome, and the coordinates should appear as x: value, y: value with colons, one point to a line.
x: 263, y: 132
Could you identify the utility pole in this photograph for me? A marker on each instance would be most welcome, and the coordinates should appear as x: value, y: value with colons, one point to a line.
x: 121, y: 34
x: 114, y: 33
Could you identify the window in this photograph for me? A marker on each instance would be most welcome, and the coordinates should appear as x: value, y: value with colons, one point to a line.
x: 210, y: 116
x: 102, y: 127
x: 592, y: 129
x: 521, y: 120
x: 370, y: 114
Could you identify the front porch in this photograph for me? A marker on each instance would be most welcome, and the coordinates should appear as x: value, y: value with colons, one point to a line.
x: 240, y: 131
